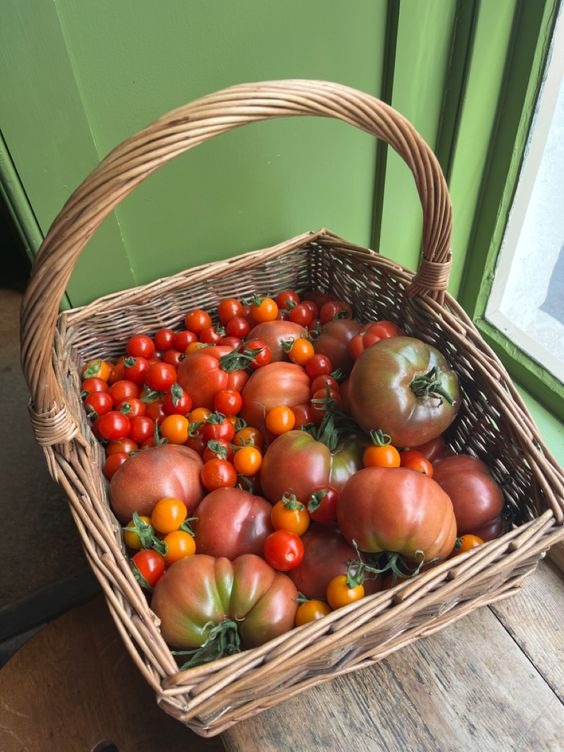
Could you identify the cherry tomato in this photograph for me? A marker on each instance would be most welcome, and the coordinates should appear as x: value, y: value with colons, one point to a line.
x: 301, y: 314
x: 126, y: 445
x: 175, y: 429
x: 261, y: 353
x: 233, y: 342
x: 174, y: 357
x: 381, y: 456
x: 193, y: 346
x: 179, y: 544
x: 211, y: 335
x: 228, y: 401
x: 414, y: 460
x: 140, y: 346
x: 248, y: 436
x: 199, y: 415
x: 132, y: 407
x: 149, y: 564
x: 218, y: 449
x: 197, y: 320
x: 283, y: 550
x: 176, y: 401
x: 131, y: 538
x: 301, y: 351
x: 238, y: 327
x: 280, y: 419
x: 98, y: 403
x: 335, y: 309
x: 116, y: 371
x: 466, y: 543
x: 382, y: 330
x: 164, y: 339
x: 304, y: 415
x: 183, y: 339
x: 136, y: 368
x: 287, y: 299
x: 99, y: 369
x: 218, y: 426
x: 322, y: 505
x: 142, y: 428
x: 356, y: 346
x: 160, y: 376
x: 318, y: 365
x: 113, y: 463
x: 264, y: 309
x: 93, y: 384
x: 323, y: 380
x: 168, y: 514
x: 218, y: 474
x: 155, y: 411
x: 123, y: 390
x: 228, y: 309
x: 290, y: 514
x: 322, y: 399
x: 339, y: 593
x: 247, y: 460
x: 113, y: 425
x: 311, y: 610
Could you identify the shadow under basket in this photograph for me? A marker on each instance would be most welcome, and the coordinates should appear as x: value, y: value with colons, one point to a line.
x: 492, y: 424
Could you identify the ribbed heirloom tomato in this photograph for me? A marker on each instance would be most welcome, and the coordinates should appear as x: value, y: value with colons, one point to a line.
x: 202, y: 374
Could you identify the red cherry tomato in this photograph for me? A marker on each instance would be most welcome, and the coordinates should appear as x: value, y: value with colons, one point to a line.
x: 218, y: 473
x: 237, y: 327
x: 287, y: 299
x: 414, y: 460
x: 228, y: 309
x: 160, y: 376
x: 322, y: 505
x: 211, y: 335
x: 318, y: 365
x: 98, y: 403
x: 136, y: 368
x: 149, y: 564
x: 93, y: 384
x: 335, y: 309
x: 177, y: 401
x: 174, y: 357
x: 283, y: 550
x: 113, y: 425
x: 183, y: 339
x: 301, y: 314
x: 142, y: 428
x: 261, y: 353
x: 123, y: 390
x: 164, y: 339
x: 140, y: 346
x: 132, y: 407
x: 113, y: 463
x: 228, y: 401
x: 197, y: 320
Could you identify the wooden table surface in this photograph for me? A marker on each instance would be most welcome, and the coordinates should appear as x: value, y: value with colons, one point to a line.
x: 492, y: 681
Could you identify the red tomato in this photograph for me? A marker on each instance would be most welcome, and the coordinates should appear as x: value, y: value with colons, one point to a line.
x: 218, y: 449
x: 98, y: 403
x: 182, y: 339
x: 123, y: 390
x: 258, y: 351
x: 246, y: 594
x: 273, y: 385
x: 197, y: 320
x: 132, y: 407
x: 287, y: 299
x: 334, y: 339
x: 476, y: 497
x: 302, y: 314
x: 395, y: 509
x: 126, y: 445
x: 135, y: 369
x: 113, y: 425
x: 228, y: 402
x: 174, y: 357
x: 93, y: 384
x: 164, y: 339
x: 303, y: 415
x: 155, y: 411
x: 202, y: 375
x: 113, y: 463
x: 149, y: 565
x: 435, y: 449
x: 211, y: 335
x: 381, y: 330
x: 232, y: 522
x: 218, y: 474
x: 176, y: 401
x: 274, y: 334
x: 238, y: 326
x: 140, y: 346
x: 228, y: 308
x: 218, y: 426
x: 322, y: 505
x: 283, y: 550
x: 160, y: 376
x: 335, y: 309
x: 324, y: 380
x: 233, y: 342
x: 318, y: 365
x: 414, y: 460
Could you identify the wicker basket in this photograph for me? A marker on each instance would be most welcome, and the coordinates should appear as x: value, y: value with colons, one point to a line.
x: 493, y: 422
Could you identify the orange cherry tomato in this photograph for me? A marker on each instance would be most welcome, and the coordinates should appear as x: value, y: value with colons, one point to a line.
x: 414, y: 460
x: 264, y: 309
x: 98, y: 368
x: 381, y: 453
x: 339, y: 593
x: 280, y: 419
x: 168, y: 514
x: 131, y: 538
x: 301, y: 351
x: 248, y: 436
x: 311, y: 611
x: 247, y: 460
x: 175, y: 429
x: 179, y: 544
x: 466, y: 543
x: 290, y: 514
x: 199, y: 415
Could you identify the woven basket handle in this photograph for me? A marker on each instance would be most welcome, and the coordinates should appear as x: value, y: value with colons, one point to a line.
x: 182, y: 129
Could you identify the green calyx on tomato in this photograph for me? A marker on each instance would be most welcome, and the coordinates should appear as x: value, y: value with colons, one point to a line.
x: 149, y: 395
x: 146, y: 535
x: 223, y: 639
x: 379, y: 438
x: 429, y: 385
x: 290, y: 501
x: 239, y: 359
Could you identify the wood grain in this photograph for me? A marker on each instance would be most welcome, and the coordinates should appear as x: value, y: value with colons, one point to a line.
x: 469, y: 687
x: 73, y: 685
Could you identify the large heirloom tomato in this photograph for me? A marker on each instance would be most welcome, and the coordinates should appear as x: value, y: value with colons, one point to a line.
x: 397, y: 510
x: 333, y: 341
x: 273, y: 385
x: 406, y: 388
x: 274, y: 334
x: 297, y: 462
x: 204, y: 372
x: 245, y: 599
x: 475, y: 496
x: 232, y: 522
x: 152, y: 474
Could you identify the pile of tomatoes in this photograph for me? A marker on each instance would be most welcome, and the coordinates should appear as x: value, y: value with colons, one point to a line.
x: 274, y: 460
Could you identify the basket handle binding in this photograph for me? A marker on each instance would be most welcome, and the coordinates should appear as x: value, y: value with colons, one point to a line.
x: 182, y: 129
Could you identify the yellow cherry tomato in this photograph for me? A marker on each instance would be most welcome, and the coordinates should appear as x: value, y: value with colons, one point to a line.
x: 199, y: 415
x: 168, y: 514
x: 280, y: 419
x: 340, y: 594
x: 179, y: 545
x: 290, y: 514
x: 311, y: 611
x: 131, y: 538
x: 247, y: 460
x: 175, y: 429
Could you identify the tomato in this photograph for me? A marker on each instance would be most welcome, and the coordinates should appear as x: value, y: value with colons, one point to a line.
x: 164, y: 339
x: 232, y: 522
x: 290, y: 514
x: 466, y: 543
x: 174, y: 428
x: 98, y: 403
x: 274, y: 334
x: 218, y: 449
x: 149, y: 565
x: 264, y: 309
x: 168, y: 514
x: 302, y: 314
x: 304, y: 415
x: 228, y: 309
x: 275, y: 384
x: 135, y: 369
x: 179, y: 545
x: 113, y: 462
x: 132, y: 407
x: 202, y: 374
x: 326, y: 554
x: 301, y: 351
x: 492, y: 529
x: 288, y: 299
x: 476, y: 497
x: 99, y: 369
x: 199, y: 415
x: 381, y: 453
x: 238, y: 327
x: 414, y: 460
x: 143, y: 528
x: 372, y: 333
x: 218, y: 426
x: 174, y: 357
x: 184, y: 338
x: 142, y: 427
x: 197, y: 320
x: 335, y: 309
x: 435, y: 449
x: 246, y: 597
x: 212, y: 335
x: 298, y: 462
x: 397, y: 510
x: 140, y: 346
x: 356, y: 346
x: 91, y: 385
x: 406, y: 388
x: 333, y: 341
x: 248, y: 436
x: 113, y: 425
x: 340, y: 592
x: 160, y: 376
x: 283, y: 550
x: 227, y: 401
x: 258, y: 351
x: 116, y: 371
x: 318, y: 365
x: 126, y: 445
x: 311, y: 610
x: 247, y: 460
x: 233, y: 342
x: 324, y: 380
x: 155, y: 411
x: 123, y: 390
x: 318, y: 297
x: 150, y: 475
x: 176, y: 401
x: 218, y: 473
x: 280, y: 419
x: 322, y: 505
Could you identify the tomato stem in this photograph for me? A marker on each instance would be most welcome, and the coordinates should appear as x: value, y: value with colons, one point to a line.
x: 222, y: 639
x: 379, y: 438
x: 429, y: 385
